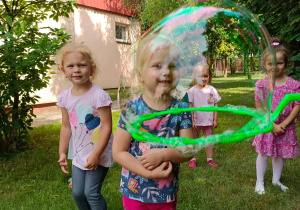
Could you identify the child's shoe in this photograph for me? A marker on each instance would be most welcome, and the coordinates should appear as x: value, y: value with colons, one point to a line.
x: 70, y: 182
x: 260, y: 188
x: 193, y: 164
x: 212, y: 163
x: 279, y: 184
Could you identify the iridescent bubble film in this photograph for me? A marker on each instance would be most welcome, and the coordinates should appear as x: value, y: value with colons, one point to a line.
x: 219, y: 36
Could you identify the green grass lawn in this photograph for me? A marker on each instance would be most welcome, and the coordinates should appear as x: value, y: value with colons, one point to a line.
x: 32, y: 179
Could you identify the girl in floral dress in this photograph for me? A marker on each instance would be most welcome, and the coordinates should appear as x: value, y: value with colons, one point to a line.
x: 282, y: 142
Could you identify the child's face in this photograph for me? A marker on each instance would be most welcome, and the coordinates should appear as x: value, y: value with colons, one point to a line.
x: 270, y: 67
x: 159, y: 75
x: 77, y: 68
x: 202, y: 76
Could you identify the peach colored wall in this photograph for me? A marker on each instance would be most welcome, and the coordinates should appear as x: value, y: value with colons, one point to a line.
x: 96, y: 28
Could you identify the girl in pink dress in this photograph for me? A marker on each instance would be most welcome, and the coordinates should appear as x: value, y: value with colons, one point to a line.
x: 282, y: 142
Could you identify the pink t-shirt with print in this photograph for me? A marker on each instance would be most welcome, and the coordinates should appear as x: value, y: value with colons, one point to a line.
x: 86, y: 124
x: 203, y: 97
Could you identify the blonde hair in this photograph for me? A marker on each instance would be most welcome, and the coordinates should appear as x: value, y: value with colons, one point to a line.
x: 278, y: 47
x: 203, y: 66
x: 147, y: 47
x: 142, y: 53
x: 75, y: 47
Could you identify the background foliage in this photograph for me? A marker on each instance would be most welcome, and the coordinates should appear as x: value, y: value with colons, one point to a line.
x: 25, y: 53
x: 281, y: 18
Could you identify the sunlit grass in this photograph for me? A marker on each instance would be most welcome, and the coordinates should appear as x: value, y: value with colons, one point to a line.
x: 32, y: 179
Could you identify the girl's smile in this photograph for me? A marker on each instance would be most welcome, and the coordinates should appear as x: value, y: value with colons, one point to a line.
x: 77, y: 77
x: 159, y: 76
x: 77, y: 68
x: 202, y: 77
x: 166, y: 82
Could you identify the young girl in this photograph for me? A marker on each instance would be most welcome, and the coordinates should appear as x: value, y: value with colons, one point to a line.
x: 282, y: 142
x: 150, y: 172
x: 202, y: 94
x: 86, y: 116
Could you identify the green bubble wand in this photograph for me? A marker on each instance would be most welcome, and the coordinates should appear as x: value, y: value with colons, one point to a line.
x: 260, y: 123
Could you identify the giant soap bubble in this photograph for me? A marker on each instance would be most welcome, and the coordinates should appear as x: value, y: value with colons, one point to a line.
x: 208, y: 34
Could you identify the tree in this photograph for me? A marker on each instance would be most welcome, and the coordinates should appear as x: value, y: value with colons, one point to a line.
x: 282, y: 19
x: 151, y: 11
x: 25, y: 53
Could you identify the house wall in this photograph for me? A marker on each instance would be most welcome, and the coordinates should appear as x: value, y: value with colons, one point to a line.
x: 96, y: 28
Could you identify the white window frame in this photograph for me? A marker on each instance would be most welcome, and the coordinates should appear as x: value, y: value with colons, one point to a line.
x: 124, y: 31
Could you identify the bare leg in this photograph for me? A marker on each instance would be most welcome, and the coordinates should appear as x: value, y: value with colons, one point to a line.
x: 209, y: 152
x: 209, y: 156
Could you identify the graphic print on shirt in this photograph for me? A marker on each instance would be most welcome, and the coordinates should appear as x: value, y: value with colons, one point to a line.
x: 132, y: 185
x: 144, y: 146
x: 164, y: 182
x: 81, y: 112
x: 73, y: 118
x: 167, y: 126
x: 160, y: 126
x: 85, y: 118
x: 91, y: 122
x: 211, y: 99
x: 95, y: 136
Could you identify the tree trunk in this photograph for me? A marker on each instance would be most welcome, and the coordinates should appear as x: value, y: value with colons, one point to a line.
x: 232, y: 67
x: 222, y: 67
x: 225, y: 67
x: 2, y: 144
x: 251, y: 64
x: 211, y: 65
x: 214, y: 73
x: 14, y: 131
x: 246, y: 66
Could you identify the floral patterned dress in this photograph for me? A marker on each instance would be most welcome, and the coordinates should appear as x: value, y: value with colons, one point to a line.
x: 286, y: 144
x: 139, y: 188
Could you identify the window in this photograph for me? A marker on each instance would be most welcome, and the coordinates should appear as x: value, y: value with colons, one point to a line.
x: 121, y: 33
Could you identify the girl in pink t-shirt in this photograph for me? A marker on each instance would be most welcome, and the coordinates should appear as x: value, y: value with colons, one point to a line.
x: 86, y: 116
x: 202, y: 94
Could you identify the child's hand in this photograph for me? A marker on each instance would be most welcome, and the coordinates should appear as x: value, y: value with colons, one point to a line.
x: 194, y: 127
x: 278, y: 129
x: 152, y: 158
x: 188, y: 150
x: 63, y: 163
x: 162, y: 171
x: 215, y: 124
x: 92, y: 162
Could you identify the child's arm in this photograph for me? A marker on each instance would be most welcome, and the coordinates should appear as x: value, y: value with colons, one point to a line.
x: 277, y: 128
x: 291, y: 117
x: 258, y: 105
x: 215, y: 123
x: 152, y: 158
x: 280, y: 128
x: 65, y: 135
x: 106, y: 129
x: 121, y: 155
x: 194, y: 126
